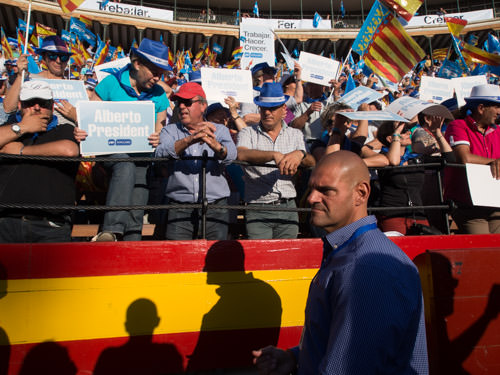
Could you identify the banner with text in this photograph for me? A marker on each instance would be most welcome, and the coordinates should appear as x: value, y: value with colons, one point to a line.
x: 463, y: 86
x: 221, y: 83
x: 438, y: 20
x: 258, y: 46
x: 318, y: 69
x: 360, y: 95
x: 286, y: 24
x: 116, y: 127
x: 72, y: 91
x: 122, y: 9
x: 435, y: 89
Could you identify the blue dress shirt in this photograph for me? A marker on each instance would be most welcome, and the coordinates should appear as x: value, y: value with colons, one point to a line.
x: 184, y: 183
x: 364, y: 313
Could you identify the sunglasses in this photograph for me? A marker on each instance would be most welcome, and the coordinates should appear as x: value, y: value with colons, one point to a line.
x: 43, y: 103
x: 272, y: 109
x: 186, y: 102
x: 54, y: 56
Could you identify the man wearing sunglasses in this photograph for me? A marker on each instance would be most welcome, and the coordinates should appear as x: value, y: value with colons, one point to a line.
x: 36, y: 132
x: 128, y: 185
x: 193, y: 136
x: 55, y: 56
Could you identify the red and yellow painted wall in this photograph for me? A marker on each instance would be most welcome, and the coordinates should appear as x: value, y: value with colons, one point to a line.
x: 167, y: 307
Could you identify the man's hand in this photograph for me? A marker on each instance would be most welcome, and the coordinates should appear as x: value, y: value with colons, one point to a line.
x: 79, y: 134
x: 495, y: 169
x: 290, y: 162
x: 22, y: 63
x: 314, y: 107
x: 34, y: 122
x: 273, y: 361
x: 205, y: 133
x: 154, y: 139
x: 66, y: 109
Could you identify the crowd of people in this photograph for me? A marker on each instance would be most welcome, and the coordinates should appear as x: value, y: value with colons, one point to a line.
x: 289, y: 127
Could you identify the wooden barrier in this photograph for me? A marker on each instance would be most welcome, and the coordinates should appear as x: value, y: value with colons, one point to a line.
x: 167, y: 307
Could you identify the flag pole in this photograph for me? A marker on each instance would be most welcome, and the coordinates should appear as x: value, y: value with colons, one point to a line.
x: 27, y: 36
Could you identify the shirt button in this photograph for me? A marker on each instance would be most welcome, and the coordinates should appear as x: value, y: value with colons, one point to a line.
x: 335, y: 246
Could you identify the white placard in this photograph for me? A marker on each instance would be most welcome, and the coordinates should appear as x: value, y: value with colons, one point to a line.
x: 114, y: 65
x: 373, y: 116
x: 360, y: 95
x: 62, y: 89
x: 318, y: 69
x: 258, y: 46
x: 482, y: 186
x: 407, y: 107
x: 436, y: 89
x: 116, y: 127
x: 438, y: 20
x: 221, y: 83
x: 463, y: 86
x: 128, y: 10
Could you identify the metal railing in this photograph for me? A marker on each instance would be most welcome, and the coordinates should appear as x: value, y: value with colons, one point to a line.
x: 203, y: 203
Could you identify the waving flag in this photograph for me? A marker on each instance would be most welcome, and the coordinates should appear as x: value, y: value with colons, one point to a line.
x: 480, y: 56
x: 342, y: 9
x: 461, y: 60
x: 237, y: 20
x: 43, y: 31
x: 217, y: 48
x: 256, y: 9
x: 316, y: 20
x: 350, y: 84
x: 101, y: 53
x: 21, y: 25
x: 68, y: 6
x: 170, y: 58
x: 455, y: 25
x: 493, y: 45
x: 385, y: 46
x: 7, y: 51
x: 403, y: 8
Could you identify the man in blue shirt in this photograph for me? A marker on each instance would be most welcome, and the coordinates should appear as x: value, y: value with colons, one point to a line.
x: 364, y: 313
x: 128, y: 183
x: 192, y: 136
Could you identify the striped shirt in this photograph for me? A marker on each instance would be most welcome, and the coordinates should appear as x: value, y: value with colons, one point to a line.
x: 267, y: 184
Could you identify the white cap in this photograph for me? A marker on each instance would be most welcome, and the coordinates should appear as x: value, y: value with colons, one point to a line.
x: 35, y: 89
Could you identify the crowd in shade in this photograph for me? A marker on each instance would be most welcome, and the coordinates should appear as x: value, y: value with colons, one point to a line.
x: 261, y: 153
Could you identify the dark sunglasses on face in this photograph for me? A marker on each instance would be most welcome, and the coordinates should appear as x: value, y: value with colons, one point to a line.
x: 272, y: 109
x: 186, y: 102
x: 43, y: 103
x: 54, y: 56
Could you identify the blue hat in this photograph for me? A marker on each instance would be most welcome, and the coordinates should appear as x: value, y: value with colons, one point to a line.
x: 271, y: 95
x: 195, y: 76
x: 55, y: 44
x: 8, y: 62
x: 262, y: 66
x: 154, y: 52
x: 215, y: 107
x: 90, y: 83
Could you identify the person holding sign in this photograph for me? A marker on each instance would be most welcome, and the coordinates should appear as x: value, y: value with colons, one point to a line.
x: 193, y: 135
x: 272, y: 141
x: 55, y: 56
x: 36, y: 132
x: 475, y: 139
x: 128, y: 185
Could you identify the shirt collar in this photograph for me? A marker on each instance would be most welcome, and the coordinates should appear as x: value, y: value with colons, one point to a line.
x: 473, y: 124
x: 335, y: 239
x: 283, y: 127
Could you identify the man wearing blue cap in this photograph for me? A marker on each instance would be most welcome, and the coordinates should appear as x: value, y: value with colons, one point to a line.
x: 271, y: 141
x: 128, y: 186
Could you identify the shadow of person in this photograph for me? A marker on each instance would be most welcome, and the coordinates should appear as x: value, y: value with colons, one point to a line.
x: 48, y: 358
x: 451, y: 354
x: 4, y: 338
x: 246, y: 316
x: 140, y: 355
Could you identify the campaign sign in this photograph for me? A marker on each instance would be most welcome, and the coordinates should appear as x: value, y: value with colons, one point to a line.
x: 373, y: 116
x: 116, y: 127
x: 62, y: 89
x: 318, y: 69
x: 122, y: 9
x: 360, y: 95
x: 482, y: 186
x: 258, y: 46
x: 221, y: 83
x: 106, y: 69
x: 435, y: 89
x: 464, y: 85
x: 408, y: 107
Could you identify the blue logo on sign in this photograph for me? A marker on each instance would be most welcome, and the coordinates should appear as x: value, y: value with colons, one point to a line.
x: 123, y: 142
x: 111, y: 142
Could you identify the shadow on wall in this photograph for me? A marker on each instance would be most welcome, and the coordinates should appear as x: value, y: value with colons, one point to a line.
x: 140, y: 355
x: 246, y: 317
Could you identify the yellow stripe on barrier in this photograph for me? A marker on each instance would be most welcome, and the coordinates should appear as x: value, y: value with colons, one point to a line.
x: 95, y: 307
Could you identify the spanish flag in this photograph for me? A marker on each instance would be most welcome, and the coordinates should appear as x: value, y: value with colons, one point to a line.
x: 455, y: 25
x: 68, y: 6
x: 43, y: 31
x: 7, y: 51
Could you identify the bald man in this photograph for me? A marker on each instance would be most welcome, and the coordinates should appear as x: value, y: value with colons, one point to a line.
x: 364, y: 312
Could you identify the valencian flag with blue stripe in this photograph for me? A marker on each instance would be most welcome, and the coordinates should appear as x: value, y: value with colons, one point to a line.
x: 385, y: 46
